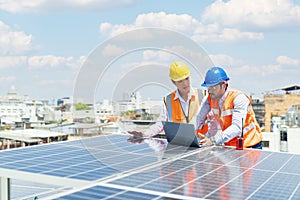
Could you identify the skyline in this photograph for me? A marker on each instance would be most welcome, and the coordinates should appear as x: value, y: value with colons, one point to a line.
x: 46, y: 44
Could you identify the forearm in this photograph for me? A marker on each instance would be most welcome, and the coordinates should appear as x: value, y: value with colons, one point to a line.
x: 157, y: 128
x: 202, y: 114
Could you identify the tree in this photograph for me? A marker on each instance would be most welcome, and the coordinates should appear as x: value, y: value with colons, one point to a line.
x: 81, y: 106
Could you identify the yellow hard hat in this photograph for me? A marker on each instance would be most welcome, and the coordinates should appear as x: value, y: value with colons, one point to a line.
x: 179, y: 71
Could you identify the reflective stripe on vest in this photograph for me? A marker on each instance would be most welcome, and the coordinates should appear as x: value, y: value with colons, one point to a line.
x: 215, y: 111
x: 227, y: 112
x: 249, y: 127
x: 169, y: 107
x: 251, y: 130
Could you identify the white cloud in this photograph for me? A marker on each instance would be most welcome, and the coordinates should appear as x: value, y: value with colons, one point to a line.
x: 255, y: 78
x: 12, y: 61
x: 157, y: 55
x: 257, y: 13
x: 182, y: 23
x: 224, y: 60
x: 13, y: 42
x: 112, y: 50
x: 51, y: 61
x: 41, y: 62
x: 168, y: 54
x: 227, y: 35
x: 16, y: 6
x: 284, y: 60
x: 234, y: 34
x: 25, y: 6
x: 106, y: 28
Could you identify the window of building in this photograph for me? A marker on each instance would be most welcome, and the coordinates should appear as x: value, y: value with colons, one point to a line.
x: 265, y: 144
x: 283, y: 135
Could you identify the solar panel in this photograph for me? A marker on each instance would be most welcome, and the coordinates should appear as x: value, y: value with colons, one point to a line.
x: 109, y: 167
x: 102, y: 192
x: 89, y: 159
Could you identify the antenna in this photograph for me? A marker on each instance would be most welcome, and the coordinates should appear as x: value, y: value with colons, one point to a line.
x: 240, y: 139
x: 242, y: 128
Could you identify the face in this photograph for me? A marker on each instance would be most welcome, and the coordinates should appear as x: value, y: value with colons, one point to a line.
x: 183, y: 85
x: 216, y: 91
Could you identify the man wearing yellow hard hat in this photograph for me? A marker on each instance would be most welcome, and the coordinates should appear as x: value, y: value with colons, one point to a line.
x: 181, y: 105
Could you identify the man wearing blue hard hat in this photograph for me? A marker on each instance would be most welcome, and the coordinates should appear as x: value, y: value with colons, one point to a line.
x: 231, y: 109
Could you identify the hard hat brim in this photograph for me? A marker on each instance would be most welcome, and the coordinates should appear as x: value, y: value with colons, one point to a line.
x: 213, y: 84
x: 181, y: 78
x: 208, y: 85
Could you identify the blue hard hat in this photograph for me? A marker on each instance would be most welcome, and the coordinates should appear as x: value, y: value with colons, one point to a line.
x: 214, y: 76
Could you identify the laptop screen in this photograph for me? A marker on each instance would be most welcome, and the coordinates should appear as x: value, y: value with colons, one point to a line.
x: 181, y: 134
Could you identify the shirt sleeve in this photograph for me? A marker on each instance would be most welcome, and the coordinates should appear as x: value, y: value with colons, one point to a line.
x: 157, y: 128
x: 241, y: 105
x: 214, y: 126
x: 202, y: 114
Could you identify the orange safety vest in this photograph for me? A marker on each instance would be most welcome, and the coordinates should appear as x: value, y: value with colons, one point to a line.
x: 251, y: 129
x: 176, y: 114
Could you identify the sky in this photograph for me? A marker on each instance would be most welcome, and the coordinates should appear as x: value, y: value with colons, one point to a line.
x: 104, y: 49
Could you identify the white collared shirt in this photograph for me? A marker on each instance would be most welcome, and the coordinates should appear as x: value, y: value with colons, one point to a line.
x: 157, y: 128
x: 241, y: 104
x: 184, y: 104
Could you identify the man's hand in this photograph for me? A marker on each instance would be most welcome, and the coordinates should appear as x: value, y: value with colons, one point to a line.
x: 136, y: 138
x: 136, y: 133
x: 205, y: 141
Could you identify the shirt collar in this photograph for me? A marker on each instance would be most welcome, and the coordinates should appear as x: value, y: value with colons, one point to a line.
x: 223, y: 97
x: 191, y: 94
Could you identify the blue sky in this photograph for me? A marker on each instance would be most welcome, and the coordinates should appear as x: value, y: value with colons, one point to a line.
x: 45, y: 43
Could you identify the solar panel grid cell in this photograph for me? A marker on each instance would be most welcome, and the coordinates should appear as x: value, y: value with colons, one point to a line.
x: 101, y: 192
x: 269, y: 164
x: 296, y: 194
x: 96, y: 192
x: 292, y: 166
x: 280, y: 186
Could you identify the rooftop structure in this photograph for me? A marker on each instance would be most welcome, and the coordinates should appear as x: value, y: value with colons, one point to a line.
x: 27, y: 137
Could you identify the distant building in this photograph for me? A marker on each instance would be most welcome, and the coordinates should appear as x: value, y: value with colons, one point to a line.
x: 259, y: 110
x: 16, y: 109
x: 292, y: 118
x: 152, y: 107
x: 286, y: 139
x: 278, y: 102
x: 285, y: 133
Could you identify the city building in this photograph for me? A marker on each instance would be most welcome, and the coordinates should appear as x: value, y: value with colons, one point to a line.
x: 259, y: 110
x: 278, y: 102
x: 15, y: 110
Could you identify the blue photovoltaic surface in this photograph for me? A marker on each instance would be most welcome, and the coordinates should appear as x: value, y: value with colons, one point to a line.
x: 89, y: 159
x: 118, y: 169
x: 101, y: 192
x: 221, y: 172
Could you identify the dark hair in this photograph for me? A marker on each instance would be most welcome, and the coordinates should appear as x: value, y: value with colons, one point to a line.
x: 226, y: 84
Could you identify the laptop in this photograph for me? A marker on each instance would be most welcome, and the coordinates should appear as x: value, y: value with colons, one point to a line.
x: 181, y: 134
